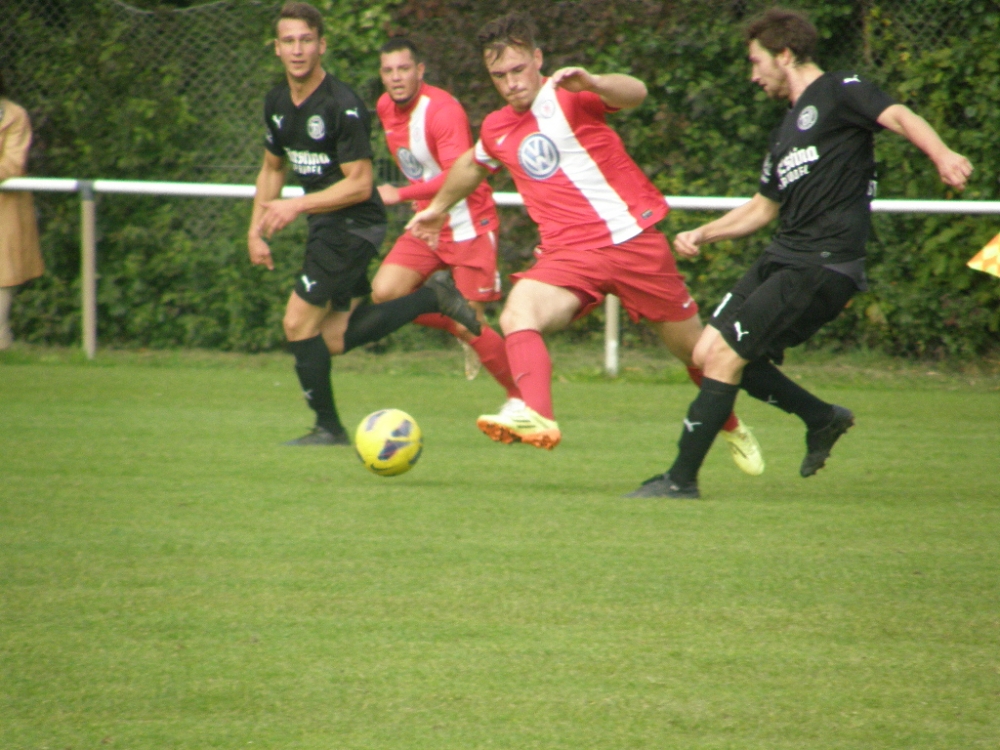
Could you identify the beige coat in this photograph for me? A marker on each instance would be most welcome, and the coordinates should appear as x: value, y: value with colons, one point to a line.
x: 20, y: 258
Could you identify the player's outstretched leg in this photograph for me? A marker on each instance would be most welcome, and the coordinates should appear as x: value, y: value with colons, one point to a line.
x: 743, y: 446
x: 820, y: 441
x: 529, y: 421
x: 373, y: 322
x: 825, y: 422
x: 451, y: 302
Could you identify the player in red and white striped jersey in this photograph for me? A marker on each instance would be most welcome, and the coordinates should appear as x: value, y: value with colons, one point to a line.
x: 595, y: 211
x: 426, y: 129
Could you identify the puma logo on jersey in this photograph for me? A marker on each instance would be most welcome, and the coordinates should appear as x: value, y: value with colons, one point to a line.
x: 852, y: 79
x: 277, y: 120
x: 689, y: 426
x: 308, y: 284
x: 352, y: 113
x: 740, y: 333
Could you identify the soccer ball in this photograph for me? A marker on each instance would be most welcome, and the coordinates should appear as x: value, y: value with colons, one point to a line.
x: 388, y: 442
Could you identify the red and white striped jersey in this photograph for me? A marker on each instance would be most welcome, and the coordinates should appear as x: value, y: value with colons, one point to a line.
x: 426, y: 137
x: 577, y: 181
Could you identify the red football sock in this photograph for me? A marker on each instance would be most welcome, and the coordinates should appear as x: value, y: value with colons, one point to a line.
x: 696, y: 375
x: 492, y: 351
x: 532, y: 369
x: 437, y: 320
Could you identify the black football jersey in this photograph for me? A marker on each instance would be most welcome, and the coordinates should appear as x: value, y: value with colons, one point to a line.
x: 331, y: 127
x: 820, y: 166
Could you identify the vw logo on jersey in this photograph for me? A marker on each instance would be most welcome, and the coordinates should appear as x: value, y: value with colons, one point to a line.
x: 411, y: 167
x: 316, y: 128
x: 807, y: 117
x: 538, y: 156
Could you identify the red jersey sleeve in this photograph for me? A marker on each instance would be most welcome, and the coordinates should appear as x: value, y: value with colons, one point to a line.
x: 593, y: 105
x: 449, y: 132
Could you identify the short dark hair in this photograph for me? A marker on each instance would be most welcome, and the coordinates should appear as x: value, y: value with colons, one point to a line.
x: 398, y: 44
x: 302, y: 12
x: 515, y: 29
x: 778, y: 29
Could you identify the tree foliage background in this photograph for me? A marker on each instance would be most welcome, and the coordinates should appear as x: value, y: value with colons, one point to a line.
x: 119, y: 92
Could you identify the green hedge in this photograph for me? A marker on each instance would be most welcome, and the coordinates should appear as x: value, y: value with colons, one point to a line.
x: 112, y: 113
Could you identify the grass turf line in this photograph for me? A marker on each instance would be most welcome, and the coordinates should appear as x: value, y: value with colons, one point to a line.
x: 171, y: 577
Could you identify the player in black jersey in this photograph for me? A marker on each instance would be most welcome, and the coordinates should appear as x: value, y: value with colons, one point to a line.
x: 818, y: 180
x: 318, y: 126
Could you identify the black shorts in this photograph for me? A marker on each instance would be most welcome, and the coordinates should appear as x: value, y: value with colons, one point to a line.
x: 778, y: 304
x: 335, y: 267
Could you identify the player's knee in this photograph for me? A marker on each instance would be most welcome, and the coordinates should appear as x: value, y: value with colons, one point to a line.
x: 382, y: 291
x: 510, y: 320
x: 699, y: 355
x: 297, y: 327
x: 721, y: 357
x: 289, y: 323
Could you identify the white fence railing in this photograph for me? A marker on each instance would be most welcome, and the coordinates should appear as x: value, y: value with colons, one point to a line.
x: 88, y: 221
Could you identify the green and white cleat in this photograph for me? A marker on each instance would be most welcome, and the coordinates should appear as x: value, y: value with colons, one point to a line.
x: 472, y: 363
x: 519, y: 423
x: 744, y: 449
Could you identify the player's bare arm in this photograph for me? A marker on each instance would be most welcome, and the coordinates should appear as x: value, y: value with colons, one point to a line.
x: 615, y: 89
x: 355, y: 187
x: 463, y: 178
x: 270, y: 180
x: 953, y: 168
x: 389, y: 194
x: 753, y: 215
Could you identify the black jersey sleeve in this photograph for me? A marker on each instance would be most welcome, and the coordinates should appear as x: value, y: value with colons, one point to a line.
x: 353, y: 130
x: 862, y: 101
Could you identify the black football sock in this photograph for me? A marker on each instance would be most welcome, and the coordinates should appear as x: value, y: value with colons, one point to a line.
x: 372, y: 322
x: 765, y: 382
x: 705, y: 417
x: 312, y: 365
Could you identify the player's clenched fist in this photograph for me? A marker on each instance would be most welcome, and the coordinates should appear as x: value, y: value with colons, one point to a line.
x: 687, y: 243
x: 954, y: 170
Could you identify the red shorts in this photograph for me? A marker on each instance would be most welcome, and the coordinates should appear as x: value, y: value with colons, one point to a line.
x: 640, y: 271
x: 473, y: 263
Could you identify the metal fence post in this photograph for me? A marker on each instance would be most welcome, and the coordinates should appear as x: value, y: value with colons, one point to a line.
x: 612, y: 308
x: 88, y: 266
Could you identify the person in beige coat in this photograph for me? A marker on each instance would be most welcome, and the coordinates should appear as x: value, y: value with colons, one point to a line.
x: 20, y: 257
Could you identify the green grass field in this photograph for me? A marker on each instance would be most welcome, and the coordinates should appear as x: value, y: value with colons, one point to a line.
x: 170, y: 577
